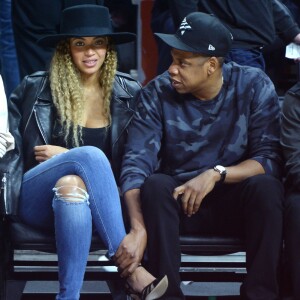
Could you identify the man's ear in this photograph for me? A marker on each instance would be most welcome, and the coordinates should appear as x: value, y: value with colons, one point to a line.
x: 213, y: 65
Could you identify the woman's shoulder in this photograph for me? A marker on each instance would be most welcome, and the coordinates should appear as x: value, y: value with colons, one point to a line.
x: 126, y: 78
x: 35, y: 78
x: 127, y: 83
x: 38, y: 74
x: 124, y: 75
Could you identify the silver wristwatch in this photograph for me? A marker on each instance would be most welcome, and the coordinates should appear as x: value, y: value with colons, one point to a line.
x: 222, y: 171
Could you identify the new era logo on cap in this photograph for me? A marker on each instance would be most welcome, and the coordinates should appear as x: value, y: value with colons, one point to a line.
x: 184, y: 26
x: 211, y: 47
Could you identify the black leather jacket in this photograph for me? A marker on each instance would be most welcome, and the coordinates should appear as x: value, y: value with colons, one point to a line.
x: 290, y: 137
x: 31, y: 116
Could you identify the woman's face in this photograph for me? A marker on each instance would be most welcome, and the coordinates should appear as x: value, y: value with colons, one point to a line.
x: 88, y: 53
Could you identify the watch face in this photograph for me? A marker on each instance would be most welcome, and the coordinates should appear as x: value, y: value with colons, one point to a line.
x: 220, y: 169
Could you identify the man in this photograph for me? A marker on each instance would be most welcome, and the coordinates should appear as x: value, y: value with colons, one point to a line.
x: 290, y: 141
x: 203, y: 157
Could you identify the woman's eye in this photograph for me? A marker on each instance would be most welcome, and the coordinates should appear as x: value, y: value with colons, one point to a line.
x: 78, y: 44
x: 100, y: 43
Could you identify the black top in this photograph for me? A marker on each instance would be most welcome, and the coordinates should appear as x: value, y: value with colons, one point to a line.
x: 97, y: 137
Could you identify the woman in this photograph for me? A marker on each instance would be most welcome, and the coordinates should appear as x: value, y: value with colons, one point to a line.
x: 69, y: 125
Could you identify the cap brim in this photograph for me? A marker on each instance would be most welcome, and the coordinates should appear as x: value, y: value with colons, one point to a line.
x: 174, y: 42
x: 117, y: 38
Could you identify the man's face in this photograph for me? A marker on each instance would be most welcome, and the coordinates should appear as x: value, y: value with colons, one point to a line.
x: 189, y: 72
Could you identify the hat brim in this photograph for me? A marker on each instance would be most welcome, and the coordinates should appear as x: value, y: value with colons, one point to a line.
x: 117, y: 38
x: 174, y: 42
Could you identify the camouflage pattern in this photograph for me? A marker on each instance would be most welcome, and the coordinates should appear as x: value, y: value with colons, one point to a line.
x: 182, y: 136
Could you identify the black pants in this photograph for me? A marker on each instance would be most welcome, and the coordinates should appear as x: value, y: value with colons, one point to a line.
x: 251, y: 209
x: 292, y: 239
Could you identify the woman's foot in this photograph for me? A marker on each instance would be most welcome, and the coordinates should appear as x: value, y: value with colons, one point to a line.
x: 142, y: 285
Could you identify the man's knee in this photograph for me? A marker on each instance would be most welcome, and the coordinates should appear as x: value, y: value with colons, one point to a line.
x: 265, y: 191
x: 158, y: 184
x: 71, y: 188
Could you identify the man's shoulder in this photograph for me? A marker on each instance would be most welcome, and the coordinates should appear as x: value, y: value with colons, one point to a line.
x: 235, y: 67
x: 161, y: 83
x: 245, y: 76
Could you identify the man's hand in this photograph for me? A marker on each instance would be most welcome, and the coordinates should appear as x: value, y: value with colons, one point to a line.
x: 297, y: 41
x: 44, y: 152
x: 194, y: 191
x: 130, y: 252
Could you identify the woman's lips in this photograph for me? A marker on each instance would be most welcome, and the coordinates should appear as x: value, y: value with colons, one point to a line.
x: 90, y: 63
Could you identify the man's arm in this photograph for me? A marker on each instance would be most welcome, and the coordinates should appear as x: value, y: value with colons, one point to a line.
x: 243, y: 170
x: 193, y: 191
x: 284, y: 23
x: 135, y: 242
x: 290, y: 138
x: 139, y: 162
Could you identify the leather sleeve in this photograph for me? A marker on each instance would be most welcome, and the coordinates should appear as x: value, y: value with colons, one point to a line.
x: 290, y: 136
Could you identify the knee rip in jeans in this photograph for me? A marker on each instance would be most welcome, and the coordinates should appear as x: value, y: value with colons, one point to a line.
x: 71, y: 194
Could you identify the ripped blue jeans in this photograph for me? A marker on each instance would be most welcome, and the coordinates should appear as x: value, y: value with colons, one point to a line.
x: 71, y: 215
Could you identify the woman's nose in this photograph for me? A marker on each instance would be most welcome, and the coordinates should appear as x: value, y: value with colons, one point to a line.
x: 89, y: 51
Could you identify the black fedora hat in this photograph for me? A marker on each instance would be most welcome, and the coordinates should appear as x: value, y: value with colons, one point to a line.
x: 86, y: 20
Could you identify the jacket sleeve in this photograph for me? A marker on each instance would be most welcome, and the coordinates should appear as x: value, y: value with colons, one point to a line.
x: 11, y: 165
x: 285, y: 25
x: 144, y: 141
x: 290, y: 137
x: 264, y: 126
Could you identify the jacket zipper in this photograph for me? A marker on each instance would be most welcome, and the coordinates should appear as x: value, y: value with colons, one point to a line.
x: 3, y: 194
x: 40, y: 127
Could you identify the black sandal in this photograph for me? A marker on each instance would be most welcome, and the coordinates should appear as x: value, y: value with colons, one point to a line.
x: 152, y: 291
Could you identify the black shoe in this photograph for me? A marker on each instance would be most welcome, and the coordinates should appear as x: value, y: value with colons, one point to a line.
x: 155, y: 289
x: 152, y: 291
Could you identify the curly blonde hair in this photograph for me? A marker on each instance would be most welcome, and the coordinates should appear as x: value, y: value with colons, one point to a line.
x: 67, y: 92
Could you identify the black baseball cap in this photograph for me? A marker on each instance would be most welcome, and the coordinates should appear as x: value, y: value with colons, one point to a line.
x: 200, y: 33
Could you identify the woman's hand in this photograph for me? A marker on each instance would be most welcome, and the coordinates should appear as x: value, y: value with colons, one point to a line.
x: 44, y: 152
x: 130, y: 252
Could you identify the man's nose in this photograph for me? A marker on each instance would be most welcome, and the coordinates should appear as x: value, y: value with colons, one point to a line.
x: 173, y: 69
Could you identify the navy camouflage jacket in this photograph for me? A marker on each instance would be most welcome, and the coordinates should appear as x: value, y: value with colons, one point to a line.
x: 182, y: 136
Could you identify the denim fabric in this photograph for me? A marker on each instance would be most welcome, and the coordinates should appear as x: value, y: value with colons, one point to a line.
x: 8, y: 56
x: 73, y: 220
x: 247, y: 57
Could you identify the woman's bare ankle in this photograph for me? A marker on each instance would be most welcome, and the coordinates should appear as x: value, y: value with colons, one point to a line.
x: 140, y: 278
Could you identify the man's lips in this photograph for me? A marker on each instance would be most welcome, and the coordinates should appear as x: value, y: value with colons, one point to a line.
x: 175, y: 83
